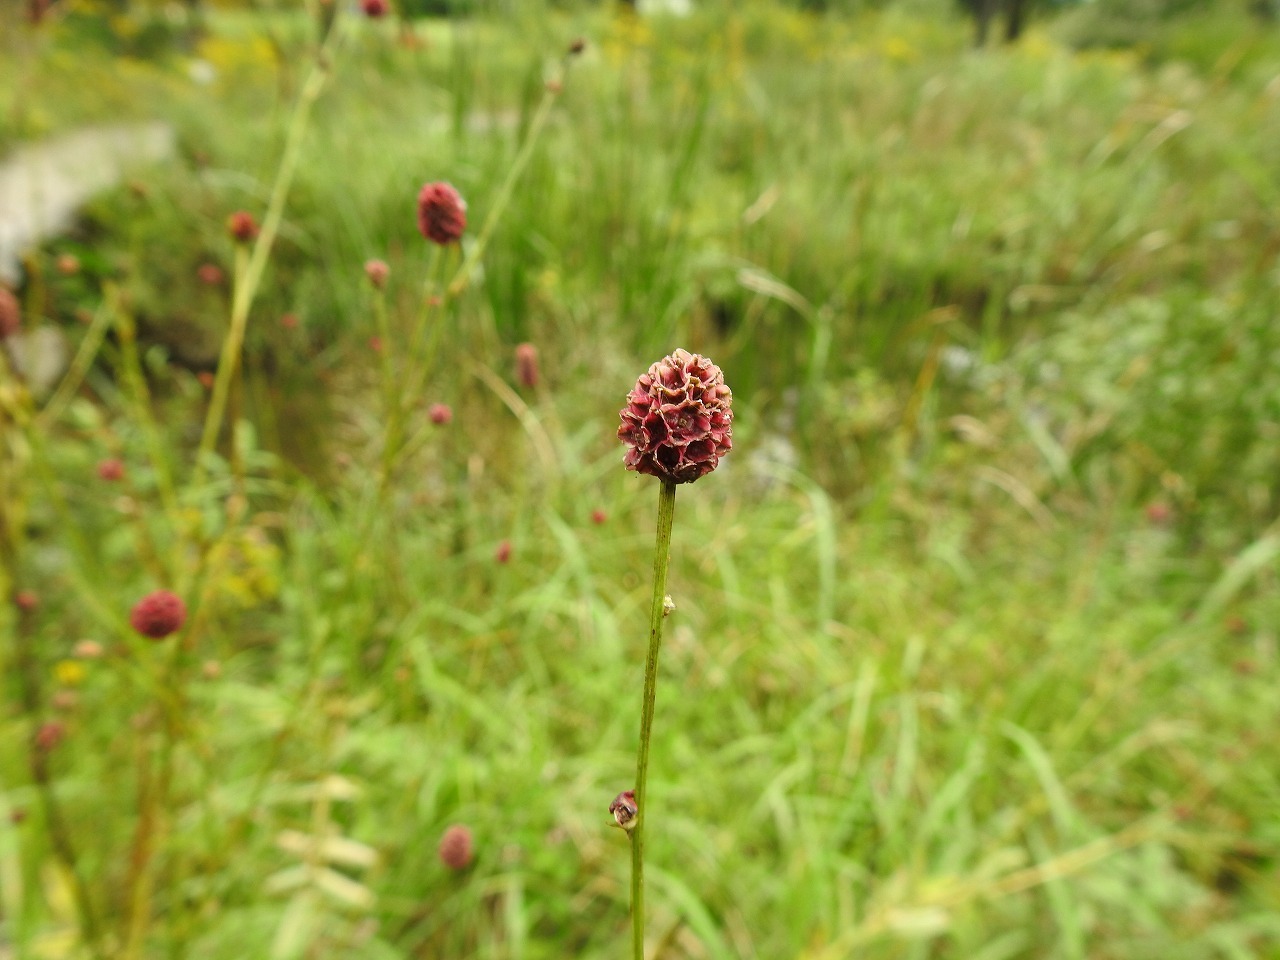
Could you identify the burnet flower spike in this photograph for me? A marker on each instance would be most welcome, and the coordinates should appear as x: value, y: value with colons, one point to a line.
x: 677, y: 425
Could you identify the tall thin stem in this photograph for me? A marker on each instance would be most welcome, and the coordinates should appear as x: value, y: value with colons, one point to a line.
x: 661, y: 563
x: 246, y: 285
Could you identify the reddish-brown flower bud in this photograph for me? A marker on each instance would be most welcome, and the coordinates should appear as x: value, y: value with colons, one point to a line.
x: 67, y: 264
x: 677, y: 423
x: 111, y: 470
x: 158, y: 614
x: 375, y: 8
x: 375, y: 343
x: 625, y: 810
x: 289, y: 321
x: 377, y: 271
x: 206, y: 379
x: 26, y: 600
x: 49, y: 736
x: 242, y: 226
x: 10, y: 313
x: 503, y: 553
x: 456, y: 850
x: 598, y: 516
x: 442, y: 213
x: 210, y: 274
x: 527, y: 365
x: 440, y: 414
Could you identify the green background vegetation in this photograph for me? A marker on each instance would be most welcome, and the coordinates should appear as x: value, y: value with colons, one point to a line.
x: 975, y: 645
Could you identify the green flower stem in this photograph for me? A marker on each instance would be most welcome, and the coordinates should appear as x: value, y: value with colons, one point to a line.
x: 661, y: 563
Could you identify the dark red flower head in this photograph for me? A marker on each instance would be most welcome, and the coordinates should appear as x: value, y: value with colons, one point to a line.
x: 242, y: 226
x: 10, y: 313
x: 442, y: 213
x: 158, y: 614
x: 455, y: 847
x: 677, y: 423
x: 375, y: 8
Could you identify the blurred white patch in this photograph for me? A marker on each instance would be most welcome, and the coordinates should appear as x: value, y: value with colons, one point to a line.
x: 201, y: 72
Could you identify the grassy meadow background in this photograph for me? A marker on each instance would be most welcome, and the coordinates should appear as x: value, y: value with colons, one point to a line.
x: 974, y: 653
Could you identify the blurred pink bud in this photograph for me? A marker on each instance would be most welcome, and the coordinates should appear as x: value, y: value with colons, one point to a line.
x: 503, y: 553
x: 206, y: 379
x: 26, y: 600
x: 598, y: 516
x: 242, y: 226
x: 377, y: 271
x: 68, y: 264
x: 375, y: 344
x: 49, y: 736
x: 375, y: 8
x: 440, y: 414
x: 456, y: 851
x: 289, y: 321
x: 210, y: 274
x: 1159, y: 513
x: 87, y: 649
x: 527, y: 365
x: 442, y: 213
x: 111, y: 470
x: 10, y: 313
x: 158, y: 614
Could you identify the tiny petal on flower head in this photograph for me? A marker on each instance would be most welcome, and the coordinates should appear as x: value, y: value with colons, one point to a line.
x: 375, y: 8
x: 527, y: 365
x: 625, y: 810
x: 377, y: 271
x: 158, y: 614
x: 242, y: 226
x: 677, y: 423
x: 456, y: 850
x: 10, y: 313
x: 442, y: 213
x: 440, y: 414
x: 111, y: 470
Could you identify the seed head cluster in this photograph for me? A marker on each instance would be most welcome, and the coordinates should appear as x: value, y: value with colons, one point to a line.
x: 677, y: 423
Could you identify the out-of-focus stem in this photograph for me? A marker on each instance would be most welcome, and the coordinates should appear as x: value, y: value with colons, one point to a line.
x: 247, y: 281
